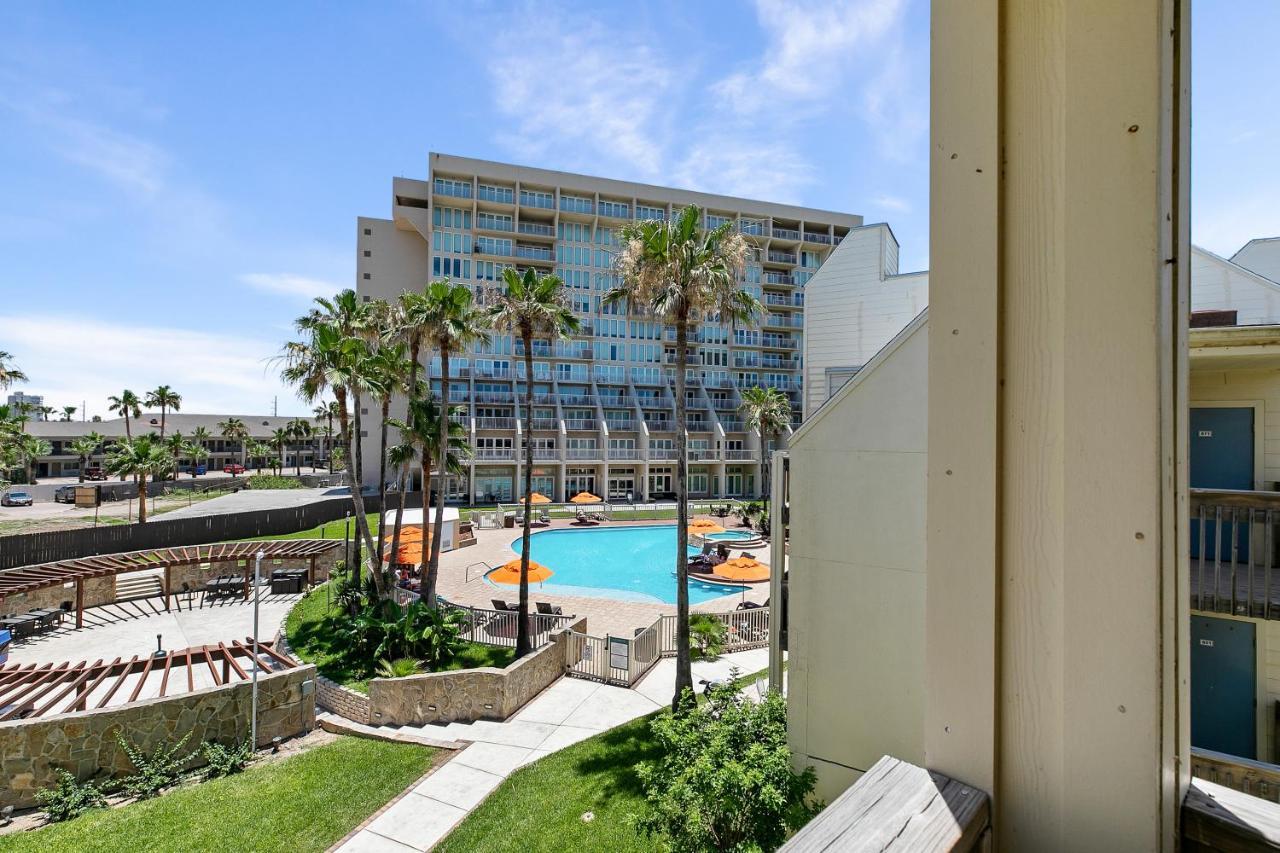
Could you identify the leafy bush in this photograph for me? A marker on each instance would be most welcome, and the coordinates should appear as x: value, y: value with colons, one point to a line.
x: 70, y: 798
x: 399, y: 668
x: 707, y: 636
x: 271, y: 481
x: 382, y: 629
x: 156, y: 771
x: 724, y: 782
x: 223, y: 760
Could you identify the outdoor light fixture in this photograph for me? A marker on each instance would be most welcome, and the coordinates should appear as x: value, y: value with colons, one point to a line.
x: 159, y: 652
x: 6, y: 815
x: 275, y: 744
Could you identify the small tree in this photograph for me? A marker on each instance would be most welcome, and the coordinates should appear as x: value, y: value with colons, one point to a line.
x: 725, y: 781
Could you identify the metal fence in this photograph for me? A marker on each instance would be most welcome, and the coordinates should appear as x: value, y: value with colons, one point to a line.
x: 26, y: 549
x: 494, y: 627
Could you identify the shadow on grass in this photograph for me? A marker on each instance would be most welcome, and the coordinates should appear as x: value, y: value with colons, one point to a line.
x: 614, y: 756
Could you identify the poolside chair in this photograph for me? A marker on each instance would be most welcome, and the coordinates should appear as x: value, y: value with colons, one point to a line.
x: 550, y: 609
x: 499, y: 604
x: 545, y: 517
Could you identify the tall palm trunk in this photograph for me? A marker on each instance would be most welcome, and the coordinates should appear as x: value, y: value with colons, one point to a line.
x: 524, y: 642
x: 764, y: 469
x: 382, y: 474
x: 328, y: 440
x: 406, y: 470
x: 357, y: 500
x: 684, y: 667
x: 297, y: 459
x: 162, y: 416
x: 442, y: 461
x: 84, y: 460
x: 142, y: 498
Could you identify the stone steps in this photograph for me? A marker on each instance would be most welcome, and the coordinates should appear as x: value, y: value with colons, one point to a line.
x: 129, y: 587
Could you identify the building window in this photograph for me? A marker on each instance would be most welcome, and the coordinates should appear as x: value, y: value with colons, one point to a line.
x: 368, y: 254
x: 367, y: 276
x: 368, y: 232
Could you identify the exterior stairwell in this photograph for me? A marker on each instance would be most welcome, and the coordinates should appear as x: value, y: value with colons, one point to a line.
x: 139, y: 585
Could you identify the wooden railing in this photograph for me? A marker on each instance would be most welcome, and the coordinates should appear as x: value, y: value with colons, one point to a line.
x: 1256, y: 778
x: 1233, y: 552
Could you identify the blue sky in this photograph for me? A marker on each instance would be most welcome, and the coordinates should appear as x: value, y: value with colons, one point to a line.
x: 175, y: 182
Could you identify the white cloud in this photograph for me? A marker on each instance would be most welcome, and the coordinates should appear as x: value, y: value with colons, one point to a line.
x: 290, y: 284
x: 72, y: 359
x: 582, y: 88
x: 736, y: 165
x: 893, y: 203
x: 809, y: 50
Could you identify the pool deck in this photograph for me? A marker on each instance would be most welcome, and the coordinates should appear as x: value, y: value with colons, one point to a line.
x: 604, y: 615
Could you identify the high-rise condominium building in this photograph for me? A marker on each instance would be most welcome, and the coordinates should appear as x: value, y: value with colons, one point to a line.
x: 603, y: 416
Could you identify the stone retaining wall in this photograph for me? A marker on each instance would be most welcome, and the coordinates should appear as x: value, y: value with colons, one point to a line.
x: 33, y: 751
x: 466, y: 695
x: 96, y: 591
x: 342, y: 701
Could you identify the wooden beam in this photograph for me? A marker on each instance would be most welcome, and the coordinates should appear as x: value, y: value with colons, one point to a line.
x: 79, y: 602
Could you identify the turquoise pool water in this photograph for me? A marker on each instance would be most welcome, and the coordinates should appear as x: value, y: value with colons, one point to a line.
x: 730, y: 535
x: 626, y: 563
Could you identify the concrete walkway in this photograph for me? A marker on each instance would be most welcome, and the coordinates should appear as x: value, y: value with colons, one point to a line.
x: 569, y: 711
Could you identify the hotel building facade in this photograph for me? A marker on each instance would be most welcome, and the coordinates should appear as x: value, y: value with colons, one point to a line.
x: 603, y: 415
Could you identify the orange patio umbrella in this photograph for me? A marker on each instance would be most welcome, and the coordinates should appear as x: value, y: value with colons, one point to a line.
x: 410, y: 553
x: 408, y: 534
x: 584, y: 498
x: 704, y: 525
x: 742, y: 569
x: 509, y: 572
x: 539, y: 498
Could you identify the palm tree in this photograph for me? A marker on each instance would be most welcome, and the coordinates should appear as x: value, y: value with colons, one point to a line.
x: 27, y: 448
x: 683, y: 274
x: 257, y: 451
x: 280, y: 438
x: 235, y: 430
x: 177, y: 444
x: 67, y: 412
x: 299, y: 431
x: 334, y: 357
x: 531, y: 306
x: 388, y: 370
x: 196, y: 452
x: 84, y: 447
x: 452, y: 323
x: 45, y: 412
x: 767, y: 411
x: 10, y: 375
x: 167, y: 399
x: 141, y: 457
x: 128, y: 406
x: 200, y: 438
x: 326, y: 412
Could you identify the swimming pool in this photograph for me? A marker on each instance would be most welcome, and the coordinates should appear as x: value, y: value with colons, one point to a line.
x: 732, y: 535
x: 626, y: 563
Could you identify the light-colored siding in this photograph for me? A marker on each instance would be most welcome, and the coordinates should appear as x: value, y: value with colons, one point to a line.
x: 1217, y: 283
x: 1262, y: 256
x: 1245, y: 387
x: 854, y: 305
x: 857, y: 582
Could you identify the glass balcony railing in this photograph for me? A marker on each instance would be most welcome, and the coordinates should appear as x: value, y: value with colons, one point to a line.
x: 786, y: 233
x: 537, y: 228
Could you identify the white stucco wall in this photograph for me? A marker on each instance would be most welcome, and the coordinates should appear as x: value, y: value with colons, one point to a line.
x: 857, y: 570
x: 854, y: 305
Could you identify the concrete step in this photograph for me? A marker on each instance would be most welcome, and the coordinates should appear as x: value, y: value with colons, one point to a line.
x: 129, y: 587
x: 341, y: 725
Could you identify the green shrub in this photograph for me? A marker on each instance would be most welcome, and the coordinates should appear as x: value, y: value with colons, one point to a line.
x: 223, y: 760
x: 399, y: 668
x: 707, y: 636
x: 271, y: 481
x: 724, y: 781
x: 154, y: 772
x: 69, y: 798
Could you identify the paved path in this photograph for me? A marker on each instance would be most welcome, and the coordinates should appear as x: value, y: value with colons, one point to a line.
x: 254, y: 499
x: 569, y: 711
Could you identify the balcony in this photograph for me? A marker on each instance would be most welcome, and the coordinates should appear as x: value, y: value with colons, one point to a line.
x: 534, y: 253
x: 534, y: 199
x: 576, y: 349
x: 494, y: 397
x: 457, y: 189
x: 811, y: 237
x: 701, y: 454
x: 581, y: 424
x: 495, y: 423
x: 658, y: 424
x: 571, y: 399
x: 774, y: 363
x: 544, y: 423
x: 741, y: 455
x: 541, y: 349
x: 493, y: 454
x: 778, y: 278
x: 697, y: 425
x: 546, y: 453
x: 489, y: 222
x: 662, y: 453
x: 621, y: 424
x: 537, y: 229
x: 624, y: 453
x: 753, y: 229
x: 501, y: 195
x: 724, y: 404
x: 583, y: 453
x: 771, y: 342
x: 572, y: 204
x: 615, y: 209
x: 782, y: 257
x: 786, y: 233
x: 732, y: 425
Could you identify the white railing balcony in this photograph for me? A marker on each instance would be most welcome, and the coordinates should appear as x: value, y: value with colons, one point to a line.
x: 575, y: 205
x: 741, y: 455
x: 492, y: 453
x: 811, y: 237
x: 624, y: 453
x: 786, y: 233
x: 697, y: 425
x: 731, y: 425
x: 546, y: 453
x: 658, y: 424
x: 536, y: 253
x: 580, y: 424
x: 782, y: 257
x: 538, y: 229
x: 583, y: 453
x: 779, y: 278
x: 495, y: 423
x: 701, y: 454
x: 662, y: 453
x: 544, y: 423
x: 494, y: 397
x: 502, y: 195
x: 724, y: 404
x: 621, y: 424
x: 493, y: 223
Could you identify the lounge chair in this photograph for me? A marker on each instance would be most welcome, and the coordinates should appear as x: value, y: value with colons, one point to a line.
x: 545, y: 517
x: 549, y: 609
x: 499, y: 604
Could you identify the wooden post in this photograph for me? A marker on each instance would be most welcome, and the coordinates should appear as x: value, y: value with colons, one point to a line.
x: 311, y: 572
x: 79, y: 602
x: 168, y: 584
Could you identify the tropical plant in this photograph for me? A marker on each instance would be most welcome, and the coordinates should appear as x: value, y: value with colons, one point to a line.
x: 225, y: 760
x: 70, y: 798
x: 707, y: 635
x: 299, y: 430
x: 399, y: 668
x: 140, y: 458
x: 177, y: 445
x: 387, y: 372
x: 724, y: 781
x: 683, y: 274
x: 326, y: 412
x: 45, y: 412
x: 279, y: 440
x: 167, y: 399
x: 84, y: 447
x: 67, y: 412
x: 27, y: 449
x: 530, y: 306
x: 153, y: 772
x: 10, y: 375
x: 128, y: 406
x: 259, y: 452
x: 450, y: 322
x: 768, y: 412
x: 272, y: 481
x: 236, y: 430
x: 334, y: 357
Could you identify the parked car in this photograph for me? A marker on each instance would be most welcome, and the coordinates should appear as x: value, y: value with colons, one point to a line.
x: 95, y: 473
x: 233, y: 468
x: 14, y: 497
x: 65, y: 494
x: 200, y: 469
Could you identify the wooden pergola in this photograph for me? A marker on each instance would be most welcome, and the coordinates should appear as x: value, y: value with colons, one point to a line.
x: 80, y: 569
x: 36, y: 690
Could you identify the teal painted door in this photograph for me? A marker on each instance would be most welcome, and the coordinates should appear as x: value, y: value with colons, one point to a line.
x: 1221, y: 458
x: 1223, y: 685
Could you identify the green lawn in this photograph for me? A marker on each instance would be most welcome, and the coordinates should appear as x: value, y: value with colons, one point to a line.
x: 331, y: 530
x: 596, y: 775
x: 310, y: 629
x: 540, y: 807
x: 306, y: 802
